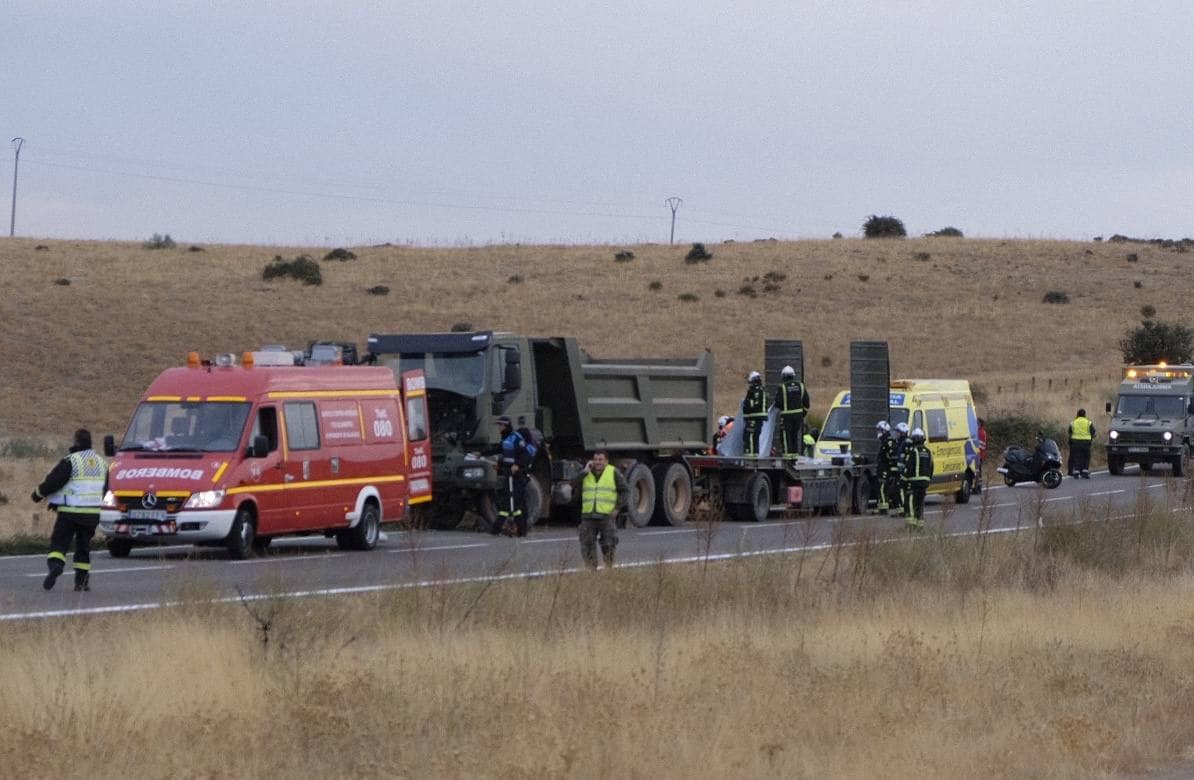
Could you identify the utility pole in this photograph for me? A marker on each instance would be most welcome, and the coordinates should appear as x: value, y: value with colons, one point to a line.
x: 12, y: 222
x: 673, y: 203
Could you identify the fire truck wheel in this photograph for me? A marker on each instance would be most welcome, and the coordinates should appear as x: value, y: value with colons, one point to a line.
x: 119, y: 548
x: 363, y: 535
x: 240, y: 538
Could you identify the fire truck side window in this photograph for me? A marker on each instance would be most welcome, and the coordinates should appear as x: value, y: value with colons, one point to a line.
x: 302, y: 430
x: 266, y: 425
x: 416, y: 421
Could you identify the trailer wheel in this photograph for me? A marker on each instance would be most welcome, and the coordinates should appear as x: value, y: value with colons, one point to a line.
x: 758, y: 500
x: 119, y: 548
x: 642, y: 495
x: 841, y: 507
x: 862, y: 493
x: 673, y: 493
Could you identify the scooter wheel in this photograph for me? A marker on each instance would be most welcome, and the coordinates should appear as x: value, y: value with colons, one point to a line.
x: 1051, y: 478
x: 1009, y: 481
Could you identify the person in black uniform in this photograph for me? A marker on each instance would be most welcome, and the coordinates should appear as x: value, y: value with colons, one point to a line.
x: 917, y: 471
x: 754, y: 412
x: 886, y: 467
x: 791, y: 397
x: 75, y: 489
x: 514, y: 469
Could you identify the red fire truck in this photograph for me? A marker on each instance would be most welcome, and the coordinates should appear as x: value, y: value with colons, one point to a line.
x: 236, y: 455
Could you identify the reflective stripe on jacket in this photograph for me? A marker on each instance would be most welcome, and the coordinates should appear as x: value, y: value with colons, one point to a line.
x: 599, y: 496
x: 1081, y: 429
x: 85, y: 491
x: 918, y: 463
x: 791, y: 397
x: 755, y: 404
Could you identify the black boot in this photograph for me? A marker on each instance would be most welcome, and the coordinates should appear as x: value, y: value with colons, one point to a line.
x: 56, y: 567
x: 82, y: 579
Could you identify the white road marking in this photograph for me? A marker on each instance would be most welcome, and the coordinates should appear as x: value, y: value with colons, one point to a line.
x: 670, y: 531
x: 1107, y: 492
x: 551, y: 540
x: 113, y: 571
x: 438, y: 547
x: 289, y: 559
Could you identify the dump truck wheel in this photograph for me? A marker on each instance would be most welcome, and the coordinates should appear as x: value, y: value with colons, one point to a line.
x: 1181, y: 463
x: 673, y: 493
x: 537, y: 510
x: 642, y: 495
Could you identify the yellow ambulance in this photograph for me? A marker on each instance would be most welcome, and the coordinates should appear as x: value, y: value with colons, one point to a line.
x: 942, y: 408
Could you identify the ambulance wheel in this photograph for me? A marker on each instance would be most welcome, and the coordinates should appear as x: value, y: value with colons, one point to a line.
x: 119, y: 548
x: 363, y: 535
x: 963, y: 494
x: 642, y: 496
x: 673, y: 493
x: 240, y: 538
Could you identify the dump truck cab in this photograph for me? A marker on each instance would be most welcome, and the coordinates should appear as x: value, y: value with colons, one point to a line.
x: 1152, y: 419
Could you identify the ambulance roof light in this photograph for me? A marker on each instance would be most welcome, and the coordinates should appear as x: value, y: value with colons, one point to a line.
x: 193, y: 360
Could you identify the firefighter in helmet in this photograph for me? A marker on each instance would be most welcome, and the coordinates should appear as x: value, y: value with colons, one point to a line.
x: 754, y: 411
x: 791, y: 397
x: 917, y: 471
x: 75, y: 490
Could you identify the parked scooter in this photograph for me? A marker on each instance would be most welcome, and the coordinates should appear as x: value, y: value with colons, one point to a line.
x: 1042, y: 465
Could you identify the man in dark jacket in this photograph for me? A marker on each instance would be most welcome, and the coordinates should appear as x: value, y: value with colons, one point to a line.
x: 75, y: 489
x: 916, y: 468
x: 791, y: 398
x: 754, y: 412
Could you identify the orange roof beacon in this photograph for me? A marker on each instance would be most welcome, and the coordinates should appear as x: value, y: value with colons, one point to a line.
x: 236, y: 455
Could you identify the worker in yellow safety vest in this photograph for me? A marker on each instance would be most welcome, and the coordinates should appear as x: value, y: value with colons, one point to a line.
x: 1082, y: 431
x: 603, y: 492
x: 75, y: 489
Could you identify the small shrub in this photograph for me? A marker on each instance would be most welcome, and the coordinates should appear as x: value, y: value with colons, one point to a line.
x: 380, y: 289
x: 837, y: 235
x: 1132, y: 257
x: 945, y: 232
x: 1155, y: 341
x: 771, y: 287
x: 41, y: 248
x: 883, y: 227
x: 826, y: 361
x: 195, y: 248
x: 27, y: 448
x: 774, y: 276
x: 748, y: 290
x: 462, y: 327
x: 514, y: 279
x: 302, y: 268
x: 159, y: 242
x: 828, y: 277
x: 1118, y: 238
x: 62, y: 282
x: 3, y: 499
x: 689, y: 297
x: 719, y: 293
x: 625, y: 256
x: 697, y: 254
x: 1098, y: 238
x: 864, y: 277
x: 1137, y: 284
x: 1056, y: 296
x: 1148, y: 311
x: 922, y: 256
x: 655, y: 286
x: 343, y: 255
x: 1017, y: 429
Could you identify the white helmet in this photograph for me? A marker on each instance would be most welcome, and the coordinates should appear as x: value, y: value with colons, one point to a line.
x: 721, y: 421
x: 883, y: 426
x: 754, y: 376
x: 788, y: 372
x: 902, y: 428
x: 917, y: 435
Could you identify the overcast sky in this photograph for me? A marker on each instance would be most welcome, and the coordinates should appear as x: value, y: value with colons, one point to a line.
x: 477, y: 122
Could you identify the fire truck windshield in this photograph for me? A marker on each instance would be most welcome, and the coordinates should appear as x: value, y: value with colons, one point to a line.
x: 458, y: 372
x: 205, y: 426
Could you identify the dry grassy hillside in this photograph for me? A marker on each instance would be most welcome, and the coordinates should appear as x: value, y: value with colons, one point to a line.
x: 82, y: 353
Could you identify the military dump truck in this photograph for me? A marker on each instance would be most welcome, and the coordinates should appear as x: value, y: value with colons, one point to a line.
x: 1152, y: 420
x: 648, y: 414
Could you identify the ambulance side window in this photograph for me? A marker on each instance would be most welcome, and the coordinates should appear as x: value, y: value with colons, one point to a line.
x: 938, y: 429
x: 266, y: 425
x: 416, y: 420
x: 302, y: 429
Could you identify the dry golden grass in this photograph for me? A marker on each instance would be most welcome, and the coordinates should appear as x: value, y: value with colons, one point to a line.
x: 740, y: 669
x: 82, y: 354
x: 18, y: 515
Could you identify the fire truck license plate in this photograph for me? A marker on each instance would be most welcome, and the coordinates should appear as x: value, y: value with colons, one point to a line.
x: 155, y: 515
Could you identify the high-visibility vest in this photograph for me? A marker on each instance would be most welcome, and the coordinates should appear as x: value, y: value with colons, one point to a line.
x: 1080, y: 429
x: 793, y: 397
x: 599, y: 495
x: 85, y: 491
